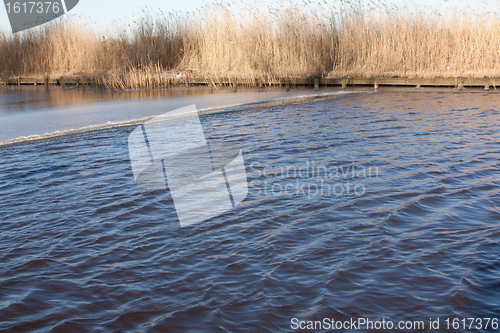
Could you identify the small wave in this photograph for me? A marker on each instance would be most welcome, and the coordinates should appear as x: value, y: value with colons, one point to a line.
x: 138, y: 121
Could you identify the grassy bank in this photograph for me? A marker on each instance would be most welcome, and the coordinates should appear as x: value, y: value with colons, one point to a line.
x: 287, y: 40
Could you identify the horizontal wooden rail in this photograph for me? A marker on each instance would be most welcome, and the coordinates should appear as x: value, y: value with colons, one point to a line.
x: 316, y: 82
x: 47, y: 81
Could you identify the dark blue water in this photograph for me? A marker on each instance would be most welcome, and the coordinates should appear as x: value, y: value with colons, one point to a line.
x: 377, y: 205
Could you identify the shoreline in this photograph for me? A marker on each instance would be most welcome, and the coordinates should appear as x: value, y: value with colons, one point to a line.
x: 455, y: 82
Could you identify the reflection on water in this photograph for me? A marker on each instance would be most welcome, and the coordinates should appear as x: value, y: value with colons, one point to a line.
x: 35, y: 98
x: 28, y: 113
x: 83, y: 248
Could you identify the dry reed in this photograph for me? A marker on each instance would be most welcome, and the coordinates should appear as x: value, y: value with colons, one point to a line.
x: 289, y: 40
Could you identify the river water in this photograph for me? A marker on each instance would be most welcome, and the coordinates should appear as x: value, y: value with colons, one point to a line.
x: 381, y: 205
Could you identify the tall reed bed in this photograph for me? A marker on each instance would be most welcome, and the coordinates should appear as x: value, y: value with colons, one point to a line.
x: 307, y: 39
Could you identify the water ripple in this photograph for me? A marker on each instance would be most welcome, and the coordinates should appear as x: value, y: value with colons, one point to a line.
x: 82, y: 248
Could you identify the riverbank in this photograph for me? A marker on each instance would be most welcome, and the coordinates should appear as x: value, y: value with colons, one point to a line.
x: 270, y: 43
x: 316, y: 82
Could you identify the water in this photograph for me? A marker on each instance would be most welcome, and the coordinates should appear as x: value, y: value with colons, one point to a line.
x: 414, y: 234
x: 33, y: 113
